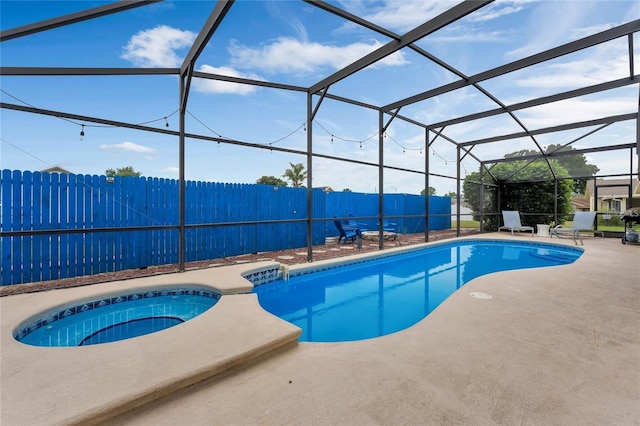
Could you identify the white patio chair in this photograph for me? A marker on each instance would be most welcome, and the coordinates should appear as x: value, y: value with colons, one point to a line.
x: 582, y: 222
x: 512, y: 222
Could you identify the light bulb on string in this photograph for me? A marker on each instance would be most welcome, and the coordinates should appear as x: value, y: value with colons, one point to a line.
x: 331, y: 138
x: 166, y: 122
x: 82, y: 132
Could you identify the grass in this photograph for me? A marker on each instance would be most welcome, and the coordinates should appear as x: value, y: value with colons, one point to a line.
x: 473, y: 224
x: 601, y: 227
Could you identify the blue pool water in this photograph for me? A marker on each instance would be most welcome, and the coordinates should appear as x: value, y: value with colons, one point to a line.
x: 378, y: 297
x: 116, y: 317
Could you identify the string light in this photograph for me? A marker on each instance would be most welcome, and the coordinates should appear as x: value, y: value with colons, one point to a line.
x: 166, y: 122
x: 82, y: 132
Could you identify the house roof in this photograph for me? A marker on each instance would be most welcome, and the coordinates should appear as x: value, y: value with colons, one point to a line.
x: 581, y: 203
x: 56, y: 169
x: 613, y: 191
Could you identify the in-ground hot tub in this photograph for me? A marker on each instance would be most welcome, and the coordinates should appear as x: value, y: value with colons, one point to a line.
x: 116, y: 317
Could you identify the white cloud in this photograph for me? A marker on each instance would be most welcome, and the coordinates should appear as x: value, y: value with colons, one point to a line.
x: 404, y: 16
x: 127, y: 146
x: 604, y: 63
x: 498, y: 9
x: 575, y: 110
x: 553, y: 24
x: 170, y: 170
x: 288, y: 55
x: 213, y: 86
x: 157, y: 47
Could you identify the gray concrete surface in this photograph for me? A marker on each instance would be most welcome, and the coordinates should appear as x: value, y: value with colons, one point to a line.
x: 556, y: 345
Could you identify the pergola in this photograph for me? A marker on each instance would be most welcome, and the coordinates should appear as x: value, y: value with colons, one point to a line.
x: 322, y: 90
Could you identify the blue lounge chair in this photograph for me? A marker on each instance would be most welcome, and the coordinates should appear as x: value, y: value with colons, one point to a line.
x: 512, y: 222
x: 355, y: 225
x: 388, y: 226
x: 345, y: 231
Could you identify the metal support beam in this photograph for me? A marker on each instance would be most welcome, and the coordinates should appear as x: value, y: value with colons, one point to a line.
x: 630, y: 41
x: 66, y: 71
x: 563, y: 153
x: 458, y: 188
x: 426, y: 185
x: 310, y: 114
x: 181, y: 177
x: 602, y: 87
x: 578, y: 125
x: 451, y: 15
x: 638, y: 135
x: 209, y: 27
x: 73, y: 18
x: 186, y: 75
x: 380, y: 181
x: 556, y: 52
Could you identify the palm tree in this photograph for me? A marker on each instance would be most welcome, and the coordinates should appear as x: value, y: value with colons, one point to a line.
x: 296, y: 174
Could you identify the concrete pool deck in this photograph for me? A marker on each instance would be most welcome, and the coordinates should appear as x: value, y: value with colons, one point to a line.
x: 556, y: 345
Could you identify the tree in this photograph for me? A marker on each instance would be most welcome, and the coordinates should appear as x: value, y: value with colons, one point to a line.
x: 346, y: 190
x: 271, y: 180
x: 432, y: 191
x: 451, y: 194
x: 295, y: 174
x: 575, y: 164
x: 123, y: 171
x: 522, y: 195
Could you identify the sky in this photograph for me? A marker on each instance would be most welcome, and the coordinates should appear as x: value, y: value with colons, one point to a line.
x: 294, y: 43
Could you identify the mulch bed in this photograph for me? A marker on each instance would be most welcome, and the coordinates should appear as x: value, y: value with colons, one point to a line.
x: 287, y: 257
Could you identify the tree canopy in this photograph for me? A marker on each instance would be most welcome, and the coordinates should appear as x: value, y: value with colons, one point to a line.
x: 123, y: 171
x: 432, y: 191
x: 522, y: 195
x: 295, y: 174
x: 271, y: 180
x: 573, y: 164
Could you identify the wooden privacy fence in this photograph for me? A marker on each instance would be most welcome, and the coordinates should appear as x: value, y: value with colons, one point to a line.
x: 59, y: 226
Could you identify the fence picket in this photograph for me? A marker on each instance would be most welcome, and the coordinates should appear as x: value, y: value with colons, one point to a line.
x: 64, y: 224
x: 24, y: 223
x: 7, y: 223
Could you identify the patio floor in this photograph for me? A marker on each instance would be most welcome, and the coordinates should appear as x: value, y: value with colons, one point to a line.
x: 554, y: 345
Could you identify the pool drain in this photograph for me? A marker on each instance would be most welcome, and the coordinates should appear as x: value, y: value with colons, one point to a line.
x: 479, y: 295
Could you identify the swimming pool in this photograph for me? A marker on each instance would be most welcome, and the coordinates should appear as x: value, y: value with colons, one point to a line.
x: 385, y: 295
x: 118, y: 317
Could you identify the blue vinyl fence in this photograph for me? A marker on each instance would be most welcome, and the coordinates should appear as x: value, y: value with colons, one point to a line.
x: 216, y: 217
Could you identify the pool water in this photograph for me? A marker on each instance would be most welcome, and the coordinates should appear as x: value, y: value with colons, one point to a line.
x: 116, y: 318
x: 386, y: 295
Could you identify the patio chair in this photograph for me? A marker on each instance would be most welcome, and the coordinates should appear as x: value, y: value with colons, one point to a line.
x: 388, y: 226
x: 355, y: 225
x: 512, y: 222
x: 582, y: 222
x: 345, y: 231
